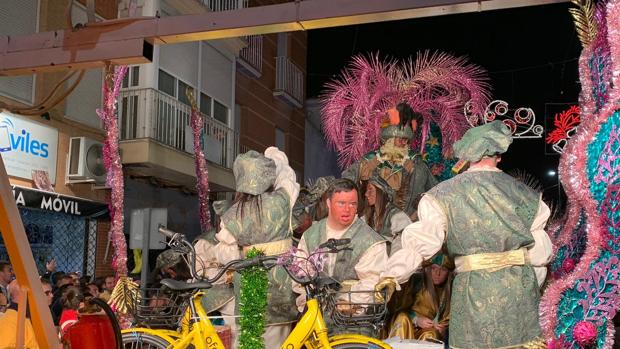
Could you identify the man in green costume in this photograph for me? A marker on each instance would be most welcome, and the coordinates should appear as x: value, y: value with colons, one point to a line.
x: 356, y: 269
x: 260, y: 217
x: 401, y: 167
x: 493, y: 227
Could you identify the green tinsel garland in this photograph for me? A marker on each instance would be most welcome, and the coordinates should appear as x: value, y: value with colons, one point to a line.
x: 253, y: 305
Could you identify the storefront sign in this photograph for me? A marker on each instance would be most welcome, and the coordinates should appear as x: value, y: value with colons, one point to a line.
x: 32, y: 198
x: 26, y: 145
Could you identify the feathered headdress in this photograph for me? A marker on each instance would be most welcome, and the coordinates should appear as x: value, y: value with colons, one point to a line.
x: 436, y: 85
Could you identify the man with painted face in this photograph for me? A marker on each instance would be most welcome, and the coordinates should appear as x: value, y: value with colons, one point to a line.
x: 493, y: 226
x: 401, y: 167
x: 358, y: 268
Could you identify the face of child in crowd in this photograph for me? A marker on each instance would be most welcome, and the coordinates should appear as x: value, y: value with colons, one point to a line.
x: 109, y: 283
x: 439, y: 274
x: 93, y: 290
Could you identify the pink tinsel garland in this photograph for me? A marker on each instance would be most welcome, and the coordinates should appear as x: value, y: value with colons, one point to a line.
x: 202, y: 173
x: 114, y: 167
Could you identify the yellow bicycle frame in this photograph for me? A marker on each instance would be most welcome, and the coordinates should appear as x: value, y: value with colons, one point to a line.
x: 310, y: 331
x: 201, y: 334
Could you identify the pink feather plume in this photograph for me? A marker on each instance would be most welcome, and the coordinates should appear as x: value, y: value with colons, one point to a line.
x: 437, y: 85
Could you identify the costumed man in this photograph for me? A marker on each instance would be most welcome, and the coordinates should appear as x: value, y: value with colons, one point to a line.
x: 381, y: 214
x: 260, y: 218
x: 219, y: 298
x: 356, y: 269
x: 493, y: 227
x: 426, y: 315
x: 311, y: 207
x: 401, y: 167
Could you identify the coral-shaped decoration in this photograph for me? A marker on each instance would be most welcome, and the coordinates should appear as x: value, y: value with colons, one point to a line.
x: 565, y: 125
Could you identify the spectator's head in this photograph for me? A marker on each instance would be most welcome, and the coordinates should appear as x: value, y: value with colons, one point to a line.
x: 64, y: 280
x: 3, y: 303
x: 109, y: 283
x: 75, y: 278
x: 15, y: 290
x: 47, y: 290
x: 72, y: 298
x: 342, y: 203
x: 93, y: 289
x: 6, y: 273
x: 171, y: 264
x: 85, y: 280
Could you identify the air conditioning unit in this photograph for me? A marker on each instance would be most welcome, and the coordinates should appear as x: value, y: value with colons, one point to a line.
x: 85, y: 161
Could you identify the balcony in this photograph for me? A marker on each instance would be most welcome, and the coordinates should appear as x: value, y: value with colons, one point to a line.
x: 156, y: 135
x: 224, y: 5
x: 186, y: 7
x: 251, y: 57
x: 289, y: 82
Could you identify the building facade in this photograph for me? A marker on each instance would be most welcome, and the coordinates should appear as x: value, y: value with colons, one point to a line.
x: 64, y: 218
x: 250, y: 92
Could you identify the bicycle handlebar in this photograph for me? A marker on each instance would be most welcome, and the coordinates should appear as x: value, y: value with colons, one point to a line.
x: 331, y: 245
x: 168, y: 233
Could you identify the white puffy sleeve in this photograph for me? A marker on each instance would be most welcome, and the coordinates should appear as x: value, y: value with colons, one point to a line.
x: 540, y: 252
x: 421, y: 240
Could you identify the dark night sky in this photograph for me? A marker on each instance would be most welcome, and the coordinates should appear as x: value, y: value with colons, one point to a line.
x: 531, y: 55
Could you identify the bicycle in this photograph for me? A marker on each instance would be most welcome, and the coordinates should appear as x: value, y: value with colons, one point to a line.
x: 197, y: 331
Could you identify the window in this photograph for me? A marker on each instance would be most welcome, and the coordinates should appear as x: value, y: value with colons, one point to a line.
x: 280, y: 139
x: 166, y: 83
x: 133, y: 76
x: 18, y: 18
x: 220, y: 112
x: 205, y: 104
x: 174, y: 87
x: 183, y: 93
x: 214, y: 109
x: 283, y: 43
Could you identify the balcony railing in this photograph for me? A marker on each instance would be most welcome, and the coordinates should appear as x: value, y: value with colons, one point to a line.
x: 289, y: 81
x: 251, y: 56
x: 224, y: 5
x: 148, y: 113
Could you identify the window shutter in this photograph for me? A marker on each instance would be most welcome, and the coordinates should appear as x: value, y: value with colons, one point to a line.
x: 18, y: 17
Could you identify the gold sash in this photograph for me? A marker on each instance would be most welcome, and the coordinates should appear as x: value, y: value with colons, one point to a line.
x: 271, y: 248
x: 491, y: 261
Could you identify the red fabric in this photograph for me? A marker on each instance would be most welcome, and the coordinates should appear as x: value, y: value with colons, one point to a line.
x: 68, y: 317
x: 91, y: 331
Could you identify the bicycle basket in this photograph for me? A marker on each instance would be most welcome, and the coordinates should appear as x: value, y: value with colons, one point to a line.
x: 161, y: 308
x: 355, y: 309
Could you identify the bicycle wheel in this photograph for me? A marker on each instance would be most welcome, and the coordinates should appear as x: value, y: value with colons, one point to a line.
x: 138, y: 340
x: 348, y: 342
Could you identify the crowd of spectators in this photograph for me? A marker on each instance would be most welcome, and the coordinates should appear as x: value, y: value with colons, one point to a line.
x: 65, y: 292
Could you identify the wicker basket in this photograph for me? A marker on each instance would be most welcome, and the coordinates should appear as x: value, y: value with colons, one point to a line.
x: 161, y: 308
x: 346, y: 310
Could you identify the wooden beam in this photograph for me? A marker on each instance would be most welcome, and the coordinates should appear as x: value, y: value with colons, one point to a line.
x: 123, y: 41
x: 22, y: 261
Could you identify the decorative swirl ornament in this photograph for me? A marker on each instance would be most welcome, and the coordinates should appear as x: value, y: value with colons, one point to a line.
x: 522, y: 122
